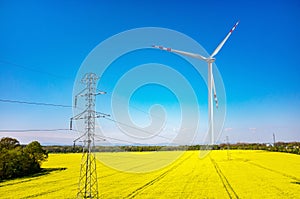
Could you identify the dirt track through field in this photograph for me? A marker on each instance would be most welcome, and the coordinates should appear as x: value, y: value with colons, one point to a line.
x: 274, y: 171
x: 155, y: 180
x: 230, y: 191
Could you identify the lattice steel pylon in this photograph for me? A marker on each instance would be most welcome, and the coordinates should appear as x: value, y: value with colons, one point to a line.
x: 88, y: 185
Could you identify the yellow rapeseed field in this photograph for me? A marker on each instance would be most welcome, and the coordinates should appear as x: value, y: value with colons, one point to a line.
x: 221, y: 174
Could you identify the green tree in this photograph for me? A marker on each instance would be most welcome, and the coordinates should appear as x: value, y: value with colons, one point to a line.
x: 17, y: 161
x: 8, y: 143
x: 36, y: 153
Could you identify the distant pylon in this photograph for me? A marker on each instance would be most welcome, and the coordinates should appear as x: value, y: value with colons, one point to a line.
x: 88, y: 185
x: 228, y: 152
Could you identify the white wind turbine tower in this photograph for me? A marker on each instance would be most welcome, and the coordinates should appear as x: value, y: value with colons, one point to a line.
x: 211, y: 83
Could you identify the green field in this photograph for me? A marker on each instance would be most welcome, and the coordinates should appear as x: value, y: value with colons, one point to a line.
x: 237, y: 174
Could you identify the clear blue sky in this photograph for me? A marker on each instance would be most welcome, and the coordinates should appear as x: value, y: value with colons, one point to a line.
x: 43, y: 43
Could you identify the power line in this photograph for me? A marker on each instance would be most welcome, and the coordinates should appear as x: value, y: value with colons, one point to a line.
x: 118, y: 98
x: 116, y: 139
x: 68, y: 106
x: 149, y: 133
x: 35, y: 103
x: 31, y: 130
x: 31, y: 69
x: 104, y: 138
x: 137, y: 128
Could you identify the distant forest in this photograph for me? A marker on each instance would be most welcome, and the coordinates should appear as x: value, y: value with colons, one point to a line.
x: 290, y: 147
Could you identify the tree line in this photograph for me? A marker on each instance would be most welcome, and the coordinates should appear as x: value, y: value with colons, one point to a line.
x: 287, y: 147
x: 290, y: 147
x: 17, y: 160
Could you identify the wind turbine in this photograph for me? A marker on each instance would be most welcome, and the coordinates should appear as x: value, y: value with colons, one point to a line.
x: 211, y: 84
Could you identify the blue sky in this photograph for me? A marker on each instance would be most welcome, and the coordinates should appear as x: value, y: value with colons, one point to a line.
x: 43, y: 44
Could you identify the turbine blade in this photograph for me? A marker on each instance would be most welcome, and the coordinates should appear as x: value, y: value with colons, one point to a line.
x: 197, y: 56
x: 215, y: 92
x: 224, y: 40
x: 71, y: 123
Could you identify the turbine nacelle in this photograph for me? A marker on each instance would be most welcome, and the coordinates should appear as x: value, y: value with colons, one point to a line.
x: 210, y: 60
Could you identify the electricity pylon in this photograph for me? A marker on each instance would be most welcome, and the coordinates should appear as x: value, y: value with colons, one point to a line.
x: 228, y: 152
x: 88, y: 185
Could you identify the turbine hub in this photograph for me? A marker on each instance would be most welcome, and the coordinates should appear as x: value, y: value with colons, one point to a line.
x: 211, y: 60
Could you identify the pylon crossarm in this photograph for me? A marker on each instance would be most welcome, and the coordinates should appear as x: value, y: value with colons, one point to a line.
x: 103, y: 114
x: 79, y: 138
x: 76, y: 96
x: 79, y: 116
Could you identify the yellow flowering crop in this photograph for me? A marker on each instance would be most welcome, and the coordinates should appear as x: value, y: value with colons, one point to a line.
x: 221, y: 174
